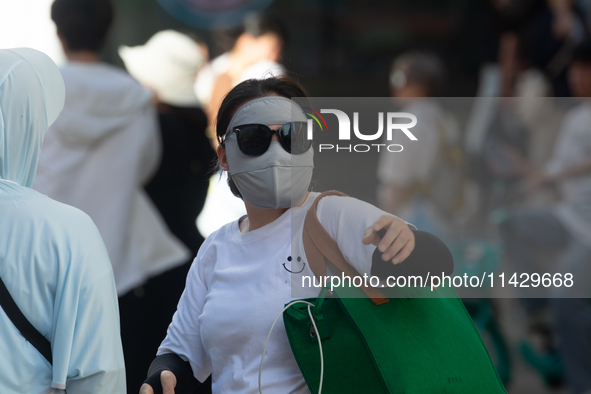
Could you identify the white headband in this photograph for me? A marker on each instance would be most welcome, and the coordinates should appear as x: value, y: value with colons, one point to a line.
x: 267, y: 110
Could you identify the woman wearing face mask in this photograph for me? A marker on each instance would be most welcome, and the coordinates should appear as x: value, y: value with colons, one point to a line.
x: 243, y: 272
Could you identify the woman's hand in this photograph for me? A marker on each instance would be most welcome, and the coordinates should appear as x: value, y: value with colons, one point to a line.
x: 168, y: 381
x: 397, y: 243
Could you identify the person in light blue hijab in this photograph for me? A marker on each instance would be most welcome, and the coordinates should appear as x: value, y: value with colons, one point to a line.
x: 52, y: 258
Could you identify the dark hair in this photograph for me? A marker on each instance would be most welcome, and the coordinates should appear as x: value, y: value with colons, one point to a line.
x: 423, y: 68
x: 83, y: 24
x: 582, y: 52
x: 249, y: 90
x: 261, y: 24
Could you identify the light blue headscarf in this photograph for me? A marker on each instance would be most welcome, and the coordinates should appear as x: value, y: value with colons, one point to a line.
x: 52, y: 258
x: 32, y: 95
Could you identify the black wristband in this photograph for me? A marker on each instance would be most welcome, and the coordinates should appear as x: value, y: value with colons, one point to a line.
x: 430, y: 255
x: 185, y: 381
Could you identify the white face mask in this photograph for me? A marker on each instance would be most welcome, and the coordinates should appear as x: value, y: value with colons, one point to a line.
x: 276, y: 179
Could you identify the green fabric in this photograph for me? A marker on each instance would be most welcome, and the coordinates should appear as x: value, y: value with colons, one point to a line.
x: 407, y: 345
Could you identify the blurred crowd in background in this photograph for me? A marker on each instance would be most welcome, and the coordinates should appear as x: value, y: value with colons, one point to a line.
x: 487, y: 183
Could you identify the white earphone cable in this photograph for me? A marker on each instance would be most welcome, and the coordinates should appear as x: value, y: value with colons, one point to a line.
x: 319, y: 347
x: 317, y: 336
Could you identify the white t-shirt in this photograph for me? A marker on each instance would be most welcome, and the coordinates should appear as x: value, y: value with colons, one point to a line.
x: 221, y: 206
x: 573, y: 148
x: 207, y: 75
x: 416, y: 162
x: 239, y: 283
x: 262, y: 70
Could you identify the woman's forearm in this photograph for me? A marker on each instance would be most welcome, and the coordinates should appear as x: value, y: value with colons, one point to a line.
x: 186, y: 382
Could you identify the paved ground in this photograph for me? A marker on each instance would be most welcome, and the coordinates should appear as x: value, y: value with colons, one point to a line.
x: 525, y: 379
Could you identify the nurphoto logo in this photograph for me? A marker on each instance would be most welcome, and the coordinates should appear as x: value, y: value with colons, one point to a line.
x: 344, y: 130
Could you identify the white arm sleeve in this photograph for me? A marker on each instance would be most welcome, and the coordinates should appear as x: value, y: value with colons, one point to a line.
x: 184, y: 333
x: 345, y: 219
x: 86, y: 341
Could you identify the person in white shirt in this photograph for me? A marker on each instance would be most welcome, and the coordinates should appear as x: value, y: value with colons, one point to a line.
x: 53, y: 261
x: 243, y: 273
x: 564, y: 227
x: 97, y: 157
x: 256, y: 54
x: 412, y: 183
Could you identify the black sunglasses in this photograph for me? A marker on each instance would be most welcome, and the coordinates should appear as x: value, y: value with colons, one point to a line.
x: 255, y: 139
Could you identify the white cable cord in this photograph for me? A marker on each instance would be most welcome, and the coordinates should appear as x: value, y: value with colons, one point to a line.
x: 317, y: 336
x: 319, y: 347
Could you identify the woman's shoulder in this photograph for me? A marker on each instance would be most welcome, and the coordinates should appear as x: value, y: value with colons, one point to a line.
x: 219, y: 238
x: 32, y: 205
x: 341, y: 202
x: 52, y: 231
x: 338, y: 211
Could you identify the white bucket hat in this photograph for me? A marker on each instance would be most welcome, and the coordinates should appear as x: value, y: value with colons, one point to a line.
x: 167, y: 63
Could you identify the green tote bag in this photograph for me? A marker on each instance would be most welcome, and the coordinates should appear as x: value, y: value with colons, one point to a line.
x: 417, y: 341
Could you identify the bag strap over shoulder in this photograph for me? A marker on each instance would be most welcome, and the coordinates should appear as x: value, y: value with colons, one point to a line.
x: 318, y: 245
x: 25, y: 327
